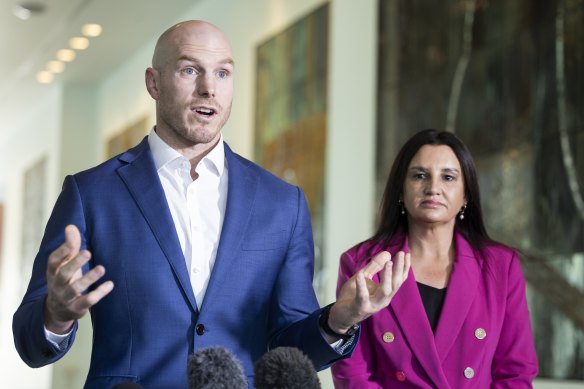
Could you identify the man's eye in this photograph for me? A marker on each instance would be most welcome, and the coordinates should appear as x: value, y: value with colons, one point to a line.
x: 188, y: 71
x: 222, y: 74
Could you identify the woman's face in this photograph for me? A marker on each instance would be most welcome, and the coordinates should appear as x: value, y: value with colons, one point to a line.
x: 434, y: 186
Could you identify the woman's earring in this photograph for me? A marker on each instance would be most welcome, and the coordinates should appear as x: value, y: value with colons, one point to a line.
x: 461, y: 214
x: 401, y: 205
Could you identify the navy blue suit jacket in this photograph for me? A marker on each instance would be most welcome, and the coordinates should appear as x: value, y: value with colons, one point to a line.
x: 259, y: 296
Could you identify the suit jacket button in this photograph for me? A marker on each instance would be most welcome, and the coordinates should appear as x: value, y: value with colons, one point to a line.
x: 200, y: 329
x: 469, y: 372
x: 480, y: 333
x: 401, y: 376
x: 388, y: 337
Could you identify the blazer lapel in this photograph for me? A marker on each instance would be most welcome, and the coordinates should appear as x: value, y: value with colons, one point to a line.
x: 141, y: 178
x: 410, y: 314
x: 462, y: 289
x: 242, y: 186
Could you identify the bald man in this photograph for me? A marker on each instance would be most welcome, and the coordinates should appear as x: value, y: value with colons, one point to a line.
x: 201, y: 246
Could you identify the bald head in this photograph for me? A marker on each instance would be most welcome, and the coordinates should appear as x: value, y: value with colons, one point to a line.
x: 191, y: 79
x: 196, y: 33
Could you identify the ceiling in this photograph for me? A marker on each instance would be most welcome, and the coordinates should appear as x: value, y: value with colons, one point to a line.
x: 27, y: 46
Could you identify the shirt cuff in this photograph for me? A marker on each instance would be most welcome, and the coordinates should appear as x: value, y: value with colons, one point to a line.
x: 337, y: 345
x: 60, y: 342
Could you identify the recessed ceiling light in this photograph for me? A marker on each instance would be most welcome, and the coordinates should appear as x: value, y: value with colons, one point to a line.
x: 65, y: 55
x: 55, y: 66
x: 45, y: 77
x: 91, y: 30
x: 78, y: 43
x: 25, y: 10
x: 21, y: 13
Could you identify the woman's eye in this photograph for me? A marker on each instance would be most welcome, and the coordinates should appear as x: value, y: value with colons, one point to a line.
x: 419, y: 176
x: 448, y: 178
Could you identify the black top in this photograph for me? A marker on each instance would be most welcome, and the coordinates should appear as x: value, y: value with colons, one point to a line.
x: 433, y: 300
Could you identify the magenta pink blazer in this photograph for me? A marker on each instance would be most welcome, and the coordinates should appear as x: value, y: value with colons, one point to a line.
x: 483, y: 338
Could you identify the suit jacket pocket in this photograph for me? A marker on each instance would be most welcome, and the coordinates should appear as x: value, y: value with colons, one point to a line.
x: 107, y: 381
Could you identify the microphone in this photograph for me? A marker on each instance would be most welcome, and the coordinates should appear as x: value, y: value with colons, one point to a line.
x: 215, y: 368
x: 285, y: 368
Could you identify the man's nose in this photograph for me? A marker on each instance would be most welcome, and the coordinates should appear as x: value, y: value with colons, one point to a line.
x: 206, y: 85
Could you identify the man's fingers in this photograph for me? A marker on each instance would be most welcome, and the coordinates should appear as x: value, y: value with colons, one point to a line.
x: 83, y: 303
x: 71, y: 304
x: 398, y: 275
x: 361, y: 292
x: 81, y: 285
x: 386, y: 285
x: 67, y: 283
x: 370, y: 297
x: 59, y: 256
x: 67, y: 250
x: 407, y: 265
x: 393, y: 276
x: 71, y: 269
x: 371, y: 286
x: 376, y: 264
x: 73, y: 238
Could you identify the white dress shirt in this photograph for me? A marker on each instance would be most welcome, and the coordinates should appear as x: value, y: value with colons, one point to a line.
x: 197, y: 207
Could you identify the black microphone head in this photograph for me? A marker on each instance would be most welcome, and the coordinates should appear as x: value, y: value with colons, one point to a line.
x: 285, y: 368
x: 127, y: 385
x: 215, y: 368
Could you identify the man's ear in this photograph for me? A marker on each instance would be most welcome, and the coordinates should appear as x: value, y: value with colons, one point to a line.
x: 152, y: 78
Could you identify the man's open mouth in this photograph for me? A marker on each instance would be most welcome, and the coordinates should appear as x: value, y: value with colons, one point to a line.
x: 205, y: 111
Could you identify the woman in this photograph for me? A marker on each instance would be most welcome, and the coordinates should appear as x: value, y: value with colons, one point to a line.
x: 460, y: 320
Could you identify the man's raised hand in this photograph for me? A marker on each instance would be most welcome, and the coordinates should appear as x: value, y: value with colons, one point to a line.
x: 66, y: 283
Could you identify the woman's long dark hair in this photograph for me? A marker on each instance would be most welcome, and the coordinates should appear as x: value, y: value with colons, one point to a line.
x: 391, y: 221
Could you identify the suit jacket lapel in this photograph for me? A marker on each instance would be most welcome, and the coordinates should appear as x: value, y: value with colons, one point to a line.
x: 410, y: 314
x: 242, y: 186
x: 141, y: 178
x: 462, y: 289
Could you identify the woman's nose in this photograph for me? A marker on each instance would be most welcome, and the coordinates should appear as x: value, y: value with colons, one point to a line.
x: 432, y: 187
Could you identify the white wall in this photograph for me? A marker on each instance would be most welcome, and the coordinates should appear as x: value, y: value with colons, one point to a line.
x: 122, y: 98
x: 35, y: 135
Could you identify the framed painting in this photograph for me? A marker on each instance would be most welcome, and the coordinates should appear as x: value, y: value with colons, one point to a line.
x: 33, y: 215
x: 290, y: 114
x: 127, y: 137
